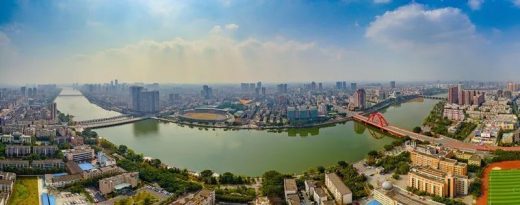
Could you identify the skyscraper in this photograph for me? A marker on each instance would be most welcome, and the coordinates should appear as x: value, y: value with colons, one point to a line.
x: 53, y: 110
x: 338, y: 85
x: 353, y: 86
x: 149, y: 101
x: 135, y: 92
x: 392, y: 84
x: 453, y: 95
x: 460, y: 98
x: 360, y: 99
x: 207, y: 92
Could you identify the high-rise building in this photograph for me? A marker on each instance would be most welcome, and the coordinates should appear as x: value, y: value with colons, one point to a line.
x: 282, y: 88
x: 453, y: 95
x: 353, y: 86
x: 513, y: 86
x: 259, y: 85
x: 338, y: 85
x: 344, y: 85
x: 207, y: 92
x: 149, y: 101
x: 143, y: 100
x: 23, y: 90
x: 460, y: 97
x: 392, y: 84
x: 320, y: 86
x: 360, y: 99
x: 135, y: 92
x: 53, y: 110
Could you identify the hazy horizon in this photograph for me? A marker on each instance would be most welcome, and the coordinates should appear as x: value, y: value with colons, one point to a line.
x: 230, y: 41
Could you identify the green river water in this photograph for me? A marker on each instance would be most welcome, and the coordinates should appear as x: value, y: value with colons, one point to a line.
x: 247, y: 152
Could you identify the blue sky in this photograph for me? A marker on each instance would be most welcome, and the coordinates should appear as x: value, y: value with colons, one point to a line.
x: 236, y: 40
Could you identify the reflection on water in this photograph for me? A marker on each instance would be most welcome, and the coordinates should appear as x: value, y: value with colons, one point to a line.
x: 359, y: 128
x: 249, y: 152
x: 145, y: 128
x: 303, y: 132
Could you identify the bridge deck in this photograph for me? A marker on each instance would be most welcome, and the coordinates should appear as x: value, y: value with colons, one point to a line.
x: 445, y: 141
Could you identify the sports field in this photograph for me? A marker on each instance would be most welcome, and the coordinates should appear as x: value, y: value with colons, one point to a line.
x: 25, y: 191
x: 504, y: 187
x: 205, y: 116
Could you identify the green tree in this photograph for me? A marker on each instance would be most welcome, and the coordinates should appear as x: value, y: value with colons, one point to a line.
x: 417, y: 129
x: 272, y: 184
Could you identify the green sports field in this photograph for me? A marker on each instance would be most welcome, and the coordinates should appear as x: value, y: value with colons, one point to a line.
x: 504, y: 187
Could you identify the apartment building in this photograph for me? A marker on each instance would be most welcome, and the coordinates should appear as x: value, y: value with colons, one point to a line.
x: 342, y: 194
x: 48, y: 164
x: 45, y: 150
x: 118, y: 182
x: 436, y: 182
x: 80, y: 154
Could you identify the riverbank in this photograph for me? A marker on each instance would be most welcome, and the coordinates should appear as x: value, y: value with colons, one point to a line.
x: 315, y: 125
x: 249, y: 152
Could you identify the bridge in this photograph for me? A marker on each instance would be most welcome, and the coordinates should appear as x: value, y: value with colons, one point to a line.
x: 69, y: 95
x: 108, y: 122
x: 377, y: 120
x: 433, y: 97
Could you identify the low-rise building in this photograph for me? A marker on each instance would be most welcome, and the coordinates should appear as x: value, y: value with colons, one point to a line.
x: 125, y: 180
x: 320, y: 195
x: 7, y: 181
x: 17, y: 150
x: 339, y: 190
x: 436, y: 182
x: 97, y: 172
x: 16, y: 138
x: 61, y: 180
x: 289, y: 187
x: 48, y: 164
x: 45, y: 150
x: 105, y: 160
x: 203, y: 197
x: 80, y: 154
x: 14, y: 164
x: 388, y: 195
x: 475, y: 160
x: 438, y: 162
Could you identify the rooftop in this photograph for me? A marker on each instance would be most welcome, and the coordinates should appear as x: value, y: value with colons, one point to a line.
x: 338, y: 183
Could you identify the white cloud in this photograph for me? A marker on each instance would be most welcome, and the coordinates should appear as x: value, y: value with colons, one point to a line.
x: 232, y: 27
x: 215, y: 58
x: 382, y: 1
x: 437, y: 41
x: 413, y: 25
x: 475, y: 4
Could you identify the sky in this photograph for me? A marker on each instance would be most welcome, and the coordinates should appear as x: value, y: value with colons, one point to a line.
x: 231, y: 41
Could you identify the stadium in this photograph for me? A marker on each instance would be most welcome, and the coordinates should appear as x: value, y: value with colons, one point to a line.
x: 207, y: 115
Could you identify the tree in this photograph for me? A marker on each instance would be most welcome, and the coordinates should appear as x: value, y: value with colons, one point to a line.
x: 122, y: 149
x: 417, y: 129
x: 388, y: 147
x: 396, y: 176
x: 156, y: 163
x: 342, y: 164
x: 227, y: 178
x: 321, y: 169
x: 206, y: 173
x: 373, y: 153
x: 402, y: 168
x: 272, y: 184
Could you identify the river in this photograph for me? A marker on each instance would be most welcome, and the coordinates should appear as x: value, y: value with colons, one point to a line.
x: 247, y: 152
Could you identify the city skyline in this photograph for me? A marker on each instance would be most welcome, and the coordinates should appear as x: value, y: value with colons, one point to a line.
x: 231, y: 41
